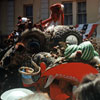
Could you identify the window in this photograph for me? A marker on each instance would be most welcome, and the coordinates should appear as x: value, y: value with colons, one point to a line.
x: 81, y: 13
x: 28, y: 11
x: 68, y: 13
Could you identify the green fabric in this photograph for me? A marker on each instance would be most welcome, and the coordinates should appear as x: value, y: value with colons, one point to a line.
x: 69, y: 50
x: 87, y: 49
x: 96, y: 53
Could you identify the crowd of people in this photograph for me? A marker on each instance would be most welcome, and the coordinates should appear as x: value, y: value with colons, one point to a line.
x: 89, y: 88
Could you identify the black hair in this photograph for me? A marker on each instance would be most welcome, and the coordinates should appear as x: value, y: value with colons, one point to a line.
x: 89, y: 89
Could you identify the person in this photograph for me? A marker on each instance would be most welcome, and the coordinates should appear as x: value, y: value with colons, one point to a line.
x: 57, y: 13
x: 23, y: 23
x: 37, y: 96
x: 22, y: 20
x: 89, y: 88
x: 56, y: 16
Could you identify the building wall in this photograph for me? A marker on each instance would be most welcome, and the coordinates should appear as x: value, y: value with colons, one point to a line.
x: 6, y: 17
x: 39, y: 12
x: 10, y: 16
x: 92, y: 11
x: 54, y: 1
x: 3, y: 16
x: 19, y: 8
x: 19, y: 11
x: 44, y: 9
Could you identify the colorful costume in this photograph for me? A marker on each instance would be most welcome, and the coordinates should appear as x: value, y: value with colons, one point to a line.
x: 86, y: 48
x: 57, y: 15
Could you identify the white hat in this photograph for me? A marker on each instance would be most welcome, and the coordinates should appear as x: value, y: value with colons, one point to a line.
x: 16, y: 94
x: 24, y: 19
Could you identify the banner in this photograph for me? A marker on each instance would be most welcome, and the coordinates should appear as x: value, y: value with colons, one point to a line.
x: 86, y: 29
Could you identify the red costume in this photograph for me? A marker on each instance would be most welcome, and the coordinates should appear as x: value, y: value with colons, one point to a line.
x: 65, y: 73
x: 57, y: 14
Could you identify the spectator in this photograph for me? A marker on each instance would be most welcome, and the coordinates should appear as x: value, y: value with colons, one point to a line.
x: 37, y: 96
x: 89, y: 88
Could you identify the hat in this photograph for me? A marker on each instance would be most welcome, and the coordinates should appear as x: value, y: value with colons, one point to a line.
x: 15, y: 94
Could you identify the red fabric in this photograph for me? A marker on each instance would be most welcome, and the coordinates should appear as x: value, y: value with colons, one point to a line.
x: 74, y: 71
x: 76, y: 26
x: 28, y: 85
x: 56, y: 93
x: 55, y: 6
x: 92, y: 30
x: 46, y: 21
x: 56, y: 14
x: 43, y: 67
x: 62, y: 19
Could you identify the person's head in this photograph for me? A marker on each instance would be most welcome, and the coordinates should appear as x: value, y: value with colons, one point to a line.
x: 89, y: 89
x: 37, y: 96
x: 19, y: 17
x: 89, y: 78
x: 57, y: 7
x: 57, y: 10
